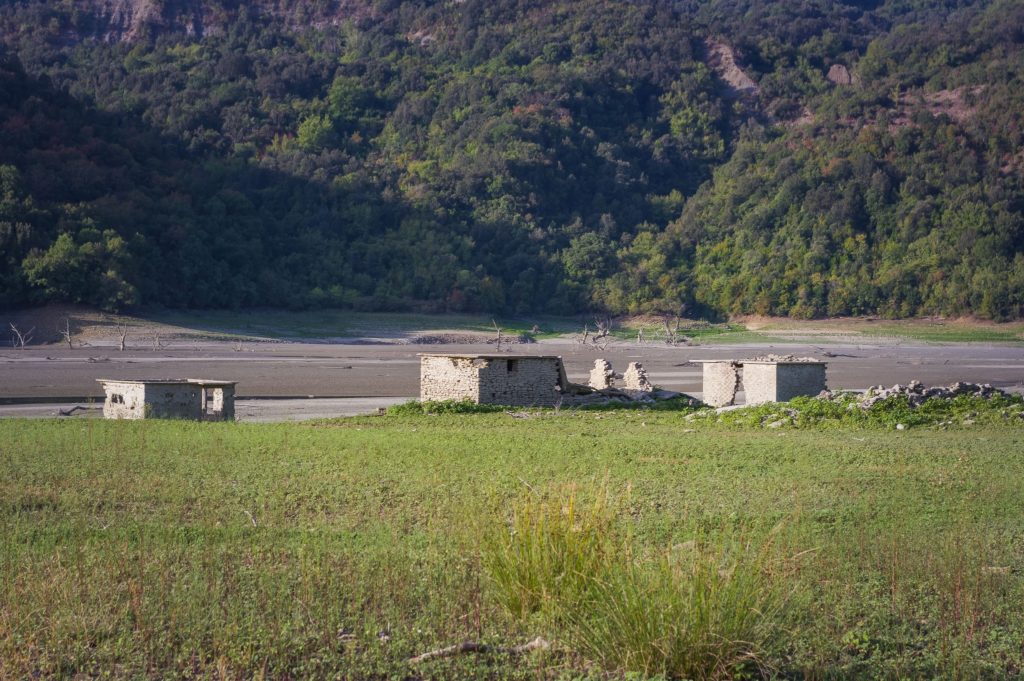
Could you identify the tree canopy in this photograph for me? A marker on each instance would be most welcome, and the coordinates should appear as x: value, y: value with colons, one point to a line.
x: 516, y: 155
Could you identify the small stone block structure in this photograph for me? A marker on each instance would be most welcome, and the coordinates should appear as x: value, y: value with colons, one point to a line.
x: 513, y: 380
x: 763, y: 380
x: 192, y: 399
x: 782, y: 381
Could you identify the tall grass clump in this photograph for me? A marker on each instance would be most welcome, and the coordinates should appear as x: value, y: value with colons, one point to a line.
x: 700, y: 610
x: 549, y: 551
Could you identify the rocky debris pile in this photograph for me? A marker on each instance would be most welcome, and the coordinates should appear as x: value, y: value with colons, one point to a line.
x: 779, y: 358
x: 917, y: 393
x: 601, y: 389
x: 616, y: 396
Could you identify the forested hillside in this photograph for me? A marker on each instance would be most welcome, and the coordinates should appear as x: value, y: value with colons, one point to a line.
x: 715, y: 157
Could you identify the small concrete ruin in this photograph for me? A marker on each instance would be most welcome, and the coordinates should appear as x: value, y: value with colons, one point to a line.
x: 763, y: 379
x: 189, y: 398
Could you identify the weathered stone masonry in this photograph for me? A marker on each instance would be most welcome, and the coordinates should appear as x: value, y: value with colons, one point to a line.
x: 194, y: 399
x: 514, y: 380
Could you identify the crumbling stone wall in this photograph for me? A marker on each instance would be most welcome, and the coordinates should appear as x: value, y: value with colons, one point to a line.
x: 721, y: 381
x: 124, y: 400
x: 635, y: 378
x: 602, y: 376
x: 514, y: 380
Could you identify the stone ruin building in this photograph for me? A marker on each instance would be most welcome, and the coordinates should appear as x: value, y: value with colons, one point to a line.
x: 763, y: 379
x: 188, y: 398
x: 514, y: 380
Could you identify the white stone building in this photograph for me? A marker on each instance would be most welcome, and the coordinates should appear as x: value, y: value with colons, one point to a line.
x: 190, y: 398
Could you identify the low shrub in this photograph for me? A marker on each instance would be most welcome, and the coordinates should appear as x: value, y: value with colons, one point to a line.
x: 418, y: 408
x: 698, y: 611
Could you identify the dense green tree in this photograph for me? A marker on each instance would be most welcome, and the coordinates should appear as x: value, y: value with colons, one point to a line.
x: 515, y: 155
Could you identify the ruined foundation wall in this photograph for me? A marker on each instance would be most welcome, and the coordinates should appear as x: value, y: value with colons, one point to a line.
x: 720, y: 380
x: 449, y: 378
x: 124, y: 401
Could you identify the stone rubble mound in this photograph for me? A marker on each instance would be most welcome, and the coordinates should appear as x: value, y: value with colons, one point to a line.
x: 780, y: 358
x: 917, y: 393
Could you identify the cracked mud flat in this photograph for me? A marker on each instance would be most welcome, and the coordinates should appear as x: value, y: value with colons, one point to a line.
x: 322, y: 380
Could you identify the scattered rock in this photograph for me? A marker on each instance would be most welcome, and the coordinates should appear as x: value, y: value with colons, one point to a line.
x: 916, y: 393
x: 901, y: 426
x: 780, y: 358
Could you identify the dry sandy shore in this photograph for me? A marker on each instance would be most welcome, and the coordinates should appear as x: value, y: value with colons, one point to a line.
x: 307, y: 380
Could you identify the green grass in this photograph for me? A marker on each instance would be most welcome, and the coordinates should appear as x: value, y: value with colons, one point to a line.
x: 942, y: 332
x: 180, y: 550
x: 332, y: 323
x: 327, y: 323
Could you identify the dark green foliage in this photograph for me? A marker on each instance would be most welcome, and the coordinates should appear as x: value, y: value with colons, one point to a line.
x: 513, y: 156
x: 415, y: 407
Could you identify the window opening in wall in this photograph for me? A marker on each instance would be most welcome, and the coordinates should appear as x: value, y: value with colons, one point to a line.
x: 513, y: 365
x: 117, y: 399
x: 208, y: 401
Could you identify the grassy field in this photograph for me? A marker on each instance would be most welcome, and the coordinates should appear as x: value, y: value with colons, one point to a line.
x: 340, y: 549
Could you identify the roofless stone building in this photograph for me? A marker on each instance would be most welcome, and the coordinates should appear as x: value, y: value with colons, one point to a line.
x: 513, y: 380
x: 188, y: 398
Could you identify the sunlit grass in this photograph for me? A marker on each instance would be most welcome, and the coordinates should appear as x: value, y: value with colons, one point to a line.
x: 342, y: 548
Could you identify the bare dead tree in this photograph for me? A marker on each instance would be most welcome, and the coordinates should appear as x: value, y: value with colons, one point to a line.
x: 65, y: 332
x: 497, y: 337
x: 122, y: 334
x: 19, y: 339
x: 671, y: 330
x: 604, y: 327
x: 586, y: 334
x: 238, y: 346
x: 157, y: 343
